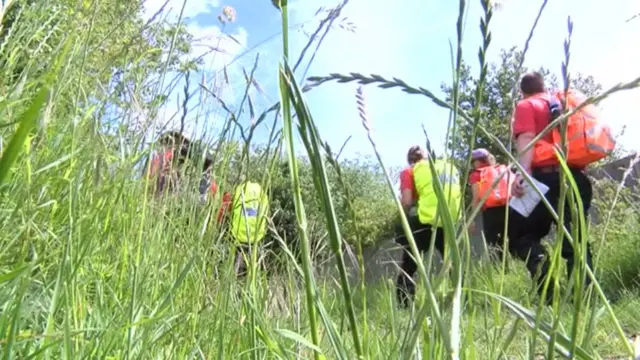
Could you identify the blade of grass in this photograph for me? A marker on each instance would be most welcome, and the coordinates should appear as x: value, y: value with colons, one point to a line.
x: 561, y: 343
x: 311, y: 139
x: 300, y: 212
x: 28, y: 121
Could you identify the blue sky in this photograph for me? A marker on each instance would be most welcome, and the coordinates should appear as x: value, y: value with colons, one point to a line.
x: 409, y: 41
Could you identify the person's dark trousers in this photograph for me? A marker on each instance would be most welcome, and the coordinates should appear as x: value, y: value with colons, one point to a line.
x: 519, y: 245
x: 493, y: 220
x: 540, y: 220
x: 422, y: 234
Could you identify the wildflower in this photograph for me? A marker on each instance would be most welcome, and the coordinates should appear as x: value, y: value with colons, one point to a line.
x: 496, y: 4
x: 279, y: 3
x: 228, y: 15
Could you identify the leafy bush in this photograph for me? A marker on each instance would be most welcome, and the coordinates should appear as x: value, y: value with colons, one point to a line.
x: 616, y: 236
x: 92, y: 265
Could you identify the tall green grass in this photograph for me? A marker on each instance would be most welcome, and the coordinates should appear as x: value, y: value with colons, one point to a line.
x: 94, y: 265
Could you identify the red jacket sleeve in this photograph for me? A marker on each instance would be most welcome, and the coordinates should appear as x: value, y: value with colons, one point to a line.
x: 524, y: 120
x: 406, y: 180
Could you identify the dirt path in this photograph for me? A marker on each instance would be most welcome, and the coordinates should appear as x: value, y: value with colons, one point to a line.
x: 382, y: 261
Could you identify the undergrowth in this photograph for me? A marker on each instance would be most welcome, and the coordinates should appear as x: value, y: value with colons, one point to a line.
x: 93, y: 264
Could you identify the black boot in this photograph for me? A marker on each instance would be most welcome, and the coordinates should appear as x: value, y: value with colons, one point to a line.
x: 538, y: 266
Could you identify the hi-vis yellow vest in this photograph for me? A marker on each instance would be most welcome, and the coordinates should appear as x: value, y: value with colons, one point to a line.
x: 427, y: 198
x: 249, y: 216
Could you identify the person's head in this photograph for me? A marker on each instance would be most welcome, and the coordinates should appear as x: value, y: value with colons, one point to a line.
x: 482, y: 157
x: 176, y: 142
x: 415, y: 154
x: 531, y: 84
x: 207, y: 165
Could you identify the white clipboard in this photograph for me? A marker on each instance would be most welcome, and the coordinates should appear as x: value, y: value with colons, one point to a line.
x: 524, y: 205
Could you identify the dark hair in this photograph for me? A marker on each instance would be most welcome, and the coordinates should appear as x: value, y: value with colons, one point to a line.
x: 208, y: 164
x: 174, y: 138
x: 415, y: 154
x: 532, y: 83
x: 180, y: 143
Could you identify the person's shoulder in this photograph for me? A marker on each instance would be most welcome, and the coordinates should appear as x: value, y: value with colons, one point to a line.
x: 407, y: 171
x: 523, y: 104
x: 525, y: 110
x: 406, y: 175
x: 540, y: 101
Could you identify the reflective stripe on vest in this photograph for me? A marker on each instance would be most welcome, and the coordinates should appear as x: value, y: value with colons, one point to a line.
x: 427, y: 198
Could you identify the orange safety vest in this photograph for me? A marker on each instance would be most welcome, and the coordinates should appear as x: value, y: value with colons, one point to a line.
x: 588, y: 139
x: 499, y: 195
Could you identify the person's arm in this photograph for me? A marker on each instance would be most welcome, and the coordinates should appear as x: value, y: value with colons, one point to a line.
x: 474, y: 178
x: 525, y: 157
x: 407, y: 199
x: 474, y: 200
x: 524, y: 129
x: 406, y: 190
x: 476, y: 197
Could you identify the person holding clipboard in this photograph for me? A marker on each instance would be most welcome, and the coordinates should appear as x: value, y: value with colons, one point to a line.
x: 588, y: 141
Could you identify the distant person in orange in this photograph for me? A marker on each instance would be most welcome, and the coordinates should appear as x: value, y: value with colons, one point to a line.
x: 225, y: 206
x: 167, y: 161
x: 209, y: 188
x: 485, y: 172
x: 588, y: 140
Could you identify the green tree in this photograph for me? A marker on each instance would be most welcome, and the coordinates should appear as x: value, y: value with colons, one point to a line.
x: 497, y: 101
x: 119, y: 58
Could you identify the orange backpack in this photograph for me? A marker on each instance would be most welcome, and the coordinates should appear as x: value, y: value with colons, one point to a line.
x: 502, y: 192
x: 588, y: 139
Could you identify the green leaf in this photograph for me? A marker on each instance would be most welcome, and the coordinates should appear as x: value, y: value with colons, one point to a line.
x: 297, y: 338
x: 562, y: 343
x: 28, y: 121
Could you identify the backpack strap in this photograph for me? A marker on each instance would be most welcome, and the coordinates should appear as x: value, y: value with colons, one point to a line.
x: 554, y: 106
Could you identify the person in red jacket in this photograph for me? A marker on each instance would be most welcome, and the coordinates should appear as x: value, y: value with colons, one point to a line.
x: 479, y: 158
x: 532, y: 115
x: 494, y: 210
x: 408, y: 193
x: 167, y: 161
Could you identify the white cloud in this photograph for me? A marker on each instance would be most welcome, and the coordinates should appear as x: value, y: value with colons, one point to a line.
x: 173, y: 7
x: 386, y: 42
x: 219, y: 49
x: 603, y: 45
x: 616, y: 61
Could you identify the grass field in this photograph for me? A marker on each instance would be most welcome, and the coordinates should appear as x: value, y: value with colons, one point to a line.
x: 93, y: 266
